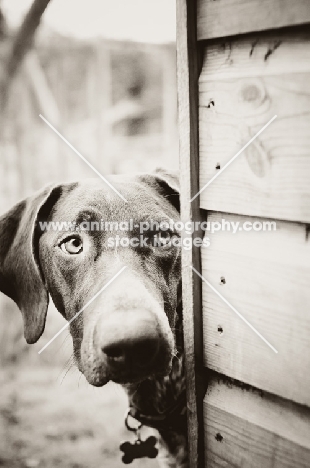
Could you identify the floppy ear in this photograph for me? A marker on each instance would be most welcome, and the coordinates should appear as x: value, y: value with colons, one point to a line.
x: 20, y: 276
x: 167, y: 184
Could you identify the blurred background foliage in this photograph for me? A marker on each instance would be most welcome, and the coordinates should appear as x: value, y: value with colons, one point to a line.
x: 115, y: 101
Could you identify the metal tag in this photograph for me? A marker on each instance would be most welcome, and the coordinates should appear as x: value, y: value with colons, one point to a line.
x: 139, y: 448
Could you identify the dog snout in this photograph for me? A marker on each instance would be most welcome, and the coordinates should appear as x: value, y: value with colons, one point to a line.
x: 130, y: 339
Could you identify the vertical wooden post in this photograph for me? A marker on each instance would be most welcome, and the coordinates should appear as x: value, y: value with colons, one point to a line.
x: 187, y: 74
x: 169, y: 99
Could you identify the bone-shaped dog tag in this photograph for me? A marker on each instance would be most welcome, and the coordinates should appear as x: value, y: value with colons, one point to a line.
x: 139, y: 449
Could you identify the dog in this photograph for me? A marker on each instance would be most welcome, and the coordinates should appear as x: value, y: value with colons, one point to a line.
x: 131, y: 333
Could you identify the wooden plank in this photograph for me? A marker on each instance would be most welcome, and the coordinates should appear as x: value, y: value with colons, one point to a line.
x: 187, y: 77
x: 272, y: 53
x: 266, y: 277
x: 243, y: 84
x: 247, y: 429
x: 231, y: 17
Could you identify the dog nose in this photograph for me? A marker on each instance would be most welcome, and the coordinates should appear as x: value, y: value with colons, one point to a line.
x: 140, y: 351
x: 129, y: 338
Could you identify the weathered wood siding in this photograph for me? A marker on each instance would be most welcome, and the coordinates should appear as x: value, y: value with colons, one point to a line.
x: 255, y: 64
x: 230, y: 17
x: 251, y: 429
x: 249, y: 80
x: 266, y: 277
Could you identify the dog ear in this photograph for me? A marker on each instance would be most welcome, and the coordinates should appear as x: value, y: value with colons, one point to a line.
x: 167, y: 184
x: 20, y: 276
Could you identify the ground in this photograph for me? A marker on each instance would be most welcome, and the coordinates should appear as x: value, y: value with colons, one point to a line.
x: 46, y: 423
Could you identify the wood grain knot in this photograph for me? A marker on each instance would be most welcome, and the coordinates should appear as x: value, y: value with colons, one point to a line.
x: 258, y: 159
x: 251, y: 93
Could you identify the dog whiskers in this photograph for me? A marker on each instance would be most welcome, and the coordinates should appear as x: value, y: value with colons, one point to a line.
x: 69, y: 364
x: 80, y: 376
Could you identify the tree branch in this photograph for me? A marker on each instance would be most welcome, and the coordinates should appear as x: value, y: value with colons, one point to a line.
x: 22, y: 42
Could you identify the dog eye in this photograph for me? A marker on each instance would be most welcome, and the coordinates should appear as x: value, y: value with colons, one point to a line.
x: 72, y: 246
x: 162, y: 239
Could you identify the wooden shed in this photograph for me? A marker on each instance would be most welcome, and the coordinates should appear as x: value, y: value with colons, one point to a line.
x: 244, y: 92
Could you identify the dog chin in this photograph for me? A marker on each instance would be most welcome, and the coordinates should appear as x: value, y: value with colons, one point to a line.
x: 95, y: 377
x: 97, y: 380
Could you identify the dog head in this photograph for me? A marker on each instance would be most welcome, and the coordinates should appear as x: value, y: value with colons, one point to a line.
x: 121, y: 324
